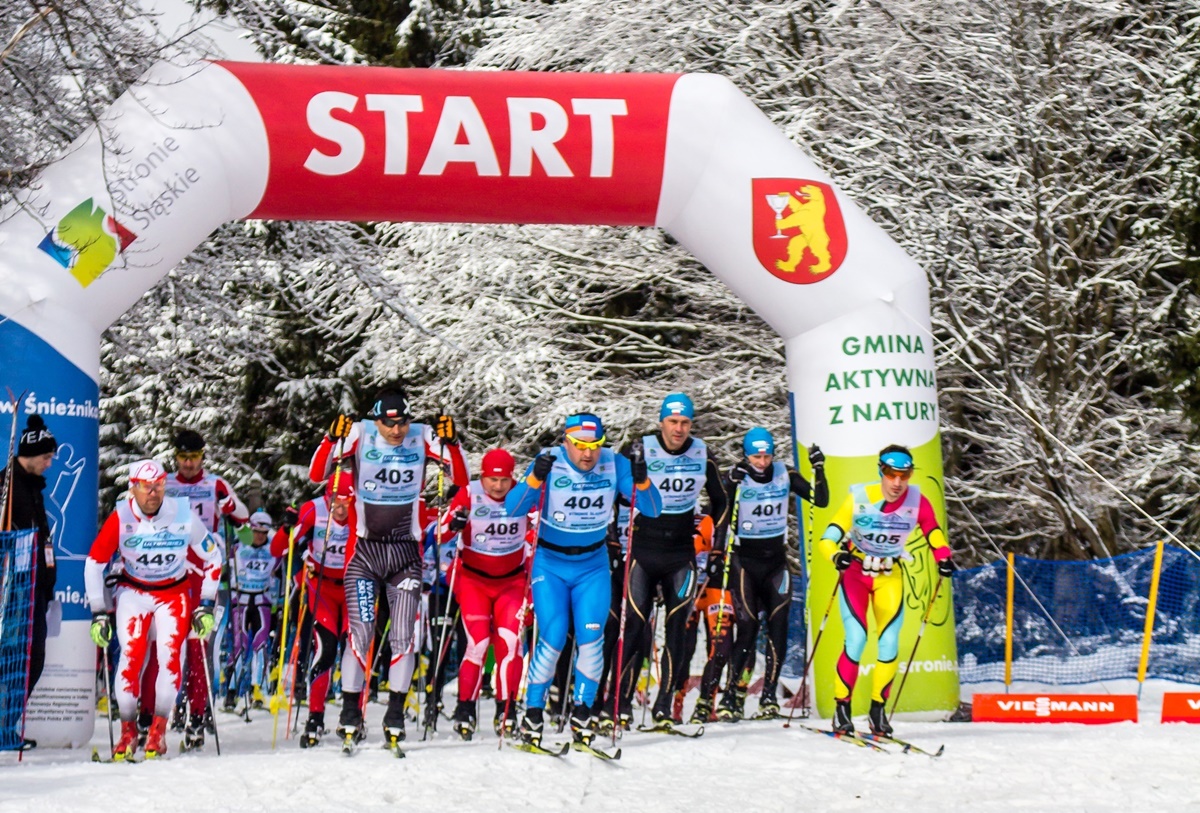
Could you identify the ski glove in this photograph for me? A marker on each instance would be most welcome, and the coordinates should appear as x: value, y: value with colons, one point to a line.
x: 637, y: 464
x: 445, y: 429
x: 842, y: 560
x: 542, y: 465
x: 101, y: 630
x: 816, y: 457
x: 739, y: 471
x: 290, y: 517
x: 716, y: 568
x: 203, y: 620
x: 458, y: 520
x: 340, y: 428
x: 946, y: 567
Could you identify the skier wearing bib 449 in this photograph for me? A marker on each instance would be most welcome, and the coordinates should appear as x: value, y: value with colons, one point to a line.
x: 387, y: 454
x: 864, y: 539
x: 579, y: 482
x: 663, y: 554
x: 758, y: 573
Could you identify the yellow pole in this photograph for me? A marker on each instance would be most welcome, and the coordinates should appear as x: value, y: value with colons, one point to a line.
x: 1008, y: 625
x: 1148, y: 632
x: 287, y: 599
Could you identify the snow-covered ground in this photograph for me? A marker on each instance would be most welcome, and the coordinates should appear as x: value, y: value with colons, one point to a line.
x: 749, y: 766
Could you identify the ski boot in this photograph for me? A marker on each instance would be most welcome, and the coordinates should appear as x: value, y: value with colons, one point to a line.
x: 842, y: 722
x: 879, y: 720
x: 702, y: 713
x: 350, y: 729
x: 256, y: 698
x: 433, y: 710
x: 393, y: 718
x: 505, y: 721
x: 193, y: 734
x: 314, y: 727
x: 179, y: 718
x: 732, y: 704
x: 230, y: 704
x: 127, y: 745
x: 143, y: 727
x: 663, y: 719
x: 464, y: 719
x: 768, y: 705
x: 583, y: 725
x: 156, y: 738
x: 532, y: 725
x: 677, y: 706
x: 554, y: 705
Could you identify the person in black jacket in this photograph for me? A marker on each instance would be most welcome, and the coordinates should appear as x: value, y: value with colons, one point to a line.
x: 35, y: 453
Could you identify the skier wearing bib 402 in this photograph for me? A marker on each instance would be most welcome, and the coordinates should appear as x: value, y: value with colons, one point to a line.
x: 663, y: 552
x: 865, y: 538
x: 324, y: 530
x: 758, y: 573
x: 153, y: 537
x: 252, y: 567
x: 387, y: 454
x: 570, y: 577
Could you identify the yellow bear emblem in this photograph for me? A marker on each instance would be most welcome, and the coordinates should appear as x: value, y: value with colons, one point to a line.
x: 807, y: 213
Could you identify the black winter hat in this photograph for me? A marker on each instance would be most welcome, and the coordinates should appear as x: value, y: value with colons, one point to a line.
x: 391, y: 402
x: 189, y: 440
x: 36, y: 440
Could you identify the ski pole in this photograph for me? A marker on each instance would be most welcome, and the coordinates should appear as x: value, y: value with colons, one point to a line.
x: 112, y: 745
x: 212, y: 711
x: 287, y: 600
x: 5, y: 507
x: 920, y: 631
x: 33, y: 576
x: 624, y: 616
x: 293, y: 664
x: 816, y: 642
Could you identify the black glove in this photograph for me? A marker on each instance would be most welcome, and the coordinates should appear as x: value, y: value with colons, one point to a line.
x: 842, y: 560
x: 815, y: 456
x: 715, y: 568
x: 637, y: 464
x: 946, y: 567
x: 739, y: 471
x: 458, y: 520
x: 542, y: 465
x: 340, y: 428
x: 444, y: 427
x: 291, y: 515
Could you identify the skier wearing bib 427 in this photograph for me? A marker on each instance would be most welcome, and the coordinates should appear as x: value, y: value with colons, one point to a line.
x: 864, y: 539
x: 153, y: 537
x: 252, y: 567
x: 570, y: 579
x: 387, y: 453
x: 758, y: 573
x: 663, y: 552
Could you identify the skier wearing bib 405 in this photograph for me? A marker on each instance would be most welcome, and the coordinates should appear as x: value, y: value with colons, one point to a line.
x: 663, y: 553
x: 387, y: 453
x: 570, y: 577
x: 252, y: 567
x: 865, y: 538
x: 758, y: 573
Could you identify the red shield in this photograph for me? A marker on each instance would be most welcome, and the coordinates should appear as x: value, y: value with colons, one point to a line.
x: 797, y: 228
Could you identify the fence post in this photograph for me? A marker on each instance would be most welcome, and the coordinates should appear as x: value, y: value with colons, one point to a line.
x: 1008, y: 625
x: 1148, y: 632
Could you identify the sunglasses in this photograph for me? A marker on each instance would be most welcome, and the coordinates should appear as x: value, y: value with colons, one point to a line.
x: 903, y: 474
x: 391, y: 423
x: 189, y: 456
x: 586, y: 444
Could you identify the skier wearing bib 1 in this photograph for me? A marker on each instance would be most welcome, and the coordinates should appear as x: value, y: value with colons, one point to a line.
x: 570, y: 579
x: 387, y: 453
x: 758, y: 573
x: 864, y: 539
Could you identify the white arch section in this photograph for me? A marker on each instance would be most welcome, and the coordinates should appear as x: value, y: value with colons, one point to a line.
x: 189, y: 148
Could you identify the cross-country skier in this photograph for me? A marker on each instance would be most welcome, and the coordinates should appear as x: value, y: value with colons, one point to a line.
x: 579, y: 481
x: 252, y: 568
x: 758, y: 573
x: 387, y: 453
x: 155, y: 537
x: 663, y: 554
x: 864, y: 540
x: 324, y: 529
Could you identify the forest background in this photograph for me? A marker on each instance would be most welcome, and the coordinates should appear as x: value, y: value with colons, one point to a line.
x: 1038, y: 159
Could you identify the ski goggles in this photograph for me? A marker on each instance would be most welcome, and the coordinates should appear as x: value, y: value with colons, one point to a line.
x: 888, y: 471
x: 586, y: 444
x: 190, y: 456
x: 391, y: 423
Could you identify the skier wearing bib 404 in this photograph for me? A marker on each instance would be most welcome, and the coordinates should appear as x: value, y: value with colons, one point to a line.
x: 663, y: 553
x: 865, y: 538
x: 758, y: 573
x: 387, y: 454
x: 324, y: 530
x: 252, y: 568
x: 570, y: 577
x: 153, y: 537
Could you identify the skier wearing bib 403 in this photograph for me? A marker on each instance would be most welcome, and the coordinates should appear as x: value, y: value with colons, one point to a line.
x: 387, y: 454
x: 153, y: 537
x: 570, y: 579
x: 663, y: 552
x: 252, y: 568
x: 865, y: 538
x: 758, y: 573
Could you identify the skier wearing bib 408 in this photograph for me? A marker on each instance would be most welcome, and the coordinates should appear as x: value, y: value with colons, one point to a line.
x: 252, y: 567
x: 865, y: 538
x: 570, y: 577
x: 663, y: 552
x: 758, y: 573
x: 387, y: 454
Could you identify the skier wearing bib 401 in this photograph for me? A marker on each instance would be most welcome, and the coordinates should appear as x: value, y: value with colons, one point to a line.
x: 864, y: 539
x: 663, y: 552
x: 153, y: 537
x: 252, y: 568
x: 387, y: 453
x: 570, y: 579
x: 758, y: 573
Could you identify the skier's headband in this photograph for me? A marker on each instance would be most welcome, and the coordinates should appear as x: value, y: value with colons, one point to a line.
x: 896, y: 462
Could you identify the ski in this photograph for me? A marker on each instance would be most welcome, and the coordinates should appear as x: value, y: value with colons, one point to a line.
x: 596, y: 752
x: 689, y: 731
x: 393, y: 746
x: 109, y: 759
x: 349, y: 745
x: 853, y: 739
x: 530, y: 748
x: 906, y: 746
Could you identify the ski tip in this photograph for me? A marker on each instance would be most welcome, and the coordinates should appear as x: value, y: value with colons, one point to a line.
x: 941, y: 750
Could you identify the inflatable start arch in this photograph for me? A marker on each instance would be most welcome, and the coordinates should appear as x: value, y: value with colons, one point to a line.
x: 190, y: 148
